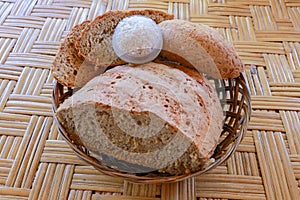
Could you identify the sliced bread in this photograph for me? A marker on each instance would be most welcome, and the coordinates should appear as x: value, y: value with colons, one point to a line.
x: 69, y: 68
x: 95, y: 42
x: 201, y: 47
x: 150, y: 115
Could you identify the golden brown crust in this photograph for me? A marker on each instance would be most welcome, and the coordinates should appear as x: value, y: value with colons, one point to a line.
x: 118, y: 16
x: 222, y: 53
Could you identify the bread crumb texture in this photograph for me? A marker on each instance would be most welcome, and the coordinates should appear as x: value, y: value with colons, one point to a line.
x: 70, y: 69
x: 150, y: 116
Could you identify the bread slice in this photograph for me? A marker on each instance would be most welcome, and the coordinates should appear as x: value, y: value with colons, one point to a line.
x: 69, y: 68
x: 95, y: 42
x: 152, y: 116
x: 201, y: 47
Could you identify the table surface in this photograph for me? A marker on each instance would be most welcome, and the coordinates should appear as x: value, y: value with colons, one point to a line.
x: 36, y: 163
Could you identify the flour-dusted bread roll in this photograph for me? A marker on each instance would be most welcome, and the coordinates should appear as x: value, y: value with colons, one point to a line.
x: 152, y: 116
x: 201, y: 47
x: 137, y: 39
x: 69, y: 68
x: 95, y: 42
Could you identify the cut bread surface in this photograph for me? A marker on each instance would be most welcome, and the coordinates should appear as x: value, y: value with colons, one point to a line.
x: 70, y: 69
x: 151, y: 115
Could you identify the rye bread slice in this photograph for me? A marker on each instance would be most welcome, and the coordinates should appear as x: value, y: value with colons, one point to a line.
x: 69, y: 68
x: 95, y: 42
x: 150, y: 115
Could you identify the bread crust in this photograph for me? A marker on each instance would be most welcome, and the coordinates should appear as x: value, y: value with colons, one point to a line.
x: 63, y: 49
x: 113, y: 17
x: 225, y: 62
x: 201, y: 133
x: 69, y: 68
x: 212, y: 102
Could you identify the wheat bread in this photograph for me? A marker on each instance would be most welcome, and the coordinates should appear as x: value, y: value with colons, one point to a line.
x: 95, y: 42
x: 69, y: 68
x: 150, y: 115
x: 201, y: 47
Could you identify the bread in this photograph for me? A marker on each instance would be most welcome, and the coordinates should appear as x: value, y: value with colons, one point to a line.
x: 137, y: 39
x: 201, y: 47
x: 151, y: 116
x: 69, y: 68
x: 95, y: 42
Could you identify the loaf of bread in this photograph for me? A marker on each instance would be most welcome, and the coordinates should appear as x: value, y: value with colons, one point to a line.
x: 201, y: 47
x: 152, y: 116
x: 69, y: 68
x: 95, y: 42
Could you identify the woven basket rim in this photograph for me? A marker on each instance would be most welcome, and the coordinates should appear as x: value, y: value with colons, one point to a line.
x: 222, y: 156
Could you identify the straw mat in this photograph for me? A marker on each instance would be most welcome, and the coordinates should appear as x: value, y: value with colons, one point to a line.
x: 36, y: 164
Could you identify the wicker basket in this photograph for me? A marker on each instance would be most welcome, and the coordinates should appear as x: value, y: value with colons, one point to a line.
x: 236, y: 101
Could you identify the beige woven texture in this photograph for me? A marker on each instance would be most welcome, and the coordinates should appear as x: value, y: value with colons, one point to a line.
x: 36, y: 164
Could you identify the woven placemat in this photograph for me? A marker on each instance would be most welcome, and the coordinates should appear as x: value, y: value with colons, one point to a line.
x: 36, y: 164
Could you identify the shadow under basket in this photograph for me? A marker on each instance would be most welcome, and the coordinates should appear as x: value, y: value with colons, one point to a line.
x: 235, y: 99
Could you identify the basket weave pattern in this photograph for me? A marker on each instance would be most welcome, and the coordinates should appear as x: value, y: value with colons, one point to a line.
x: 37, y: 163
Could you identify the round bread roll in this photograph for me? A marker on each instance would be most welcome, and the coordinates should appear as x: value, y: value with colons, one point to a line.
x: 201, y: 47
x: 150, y: 117
x: 137, y: 39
